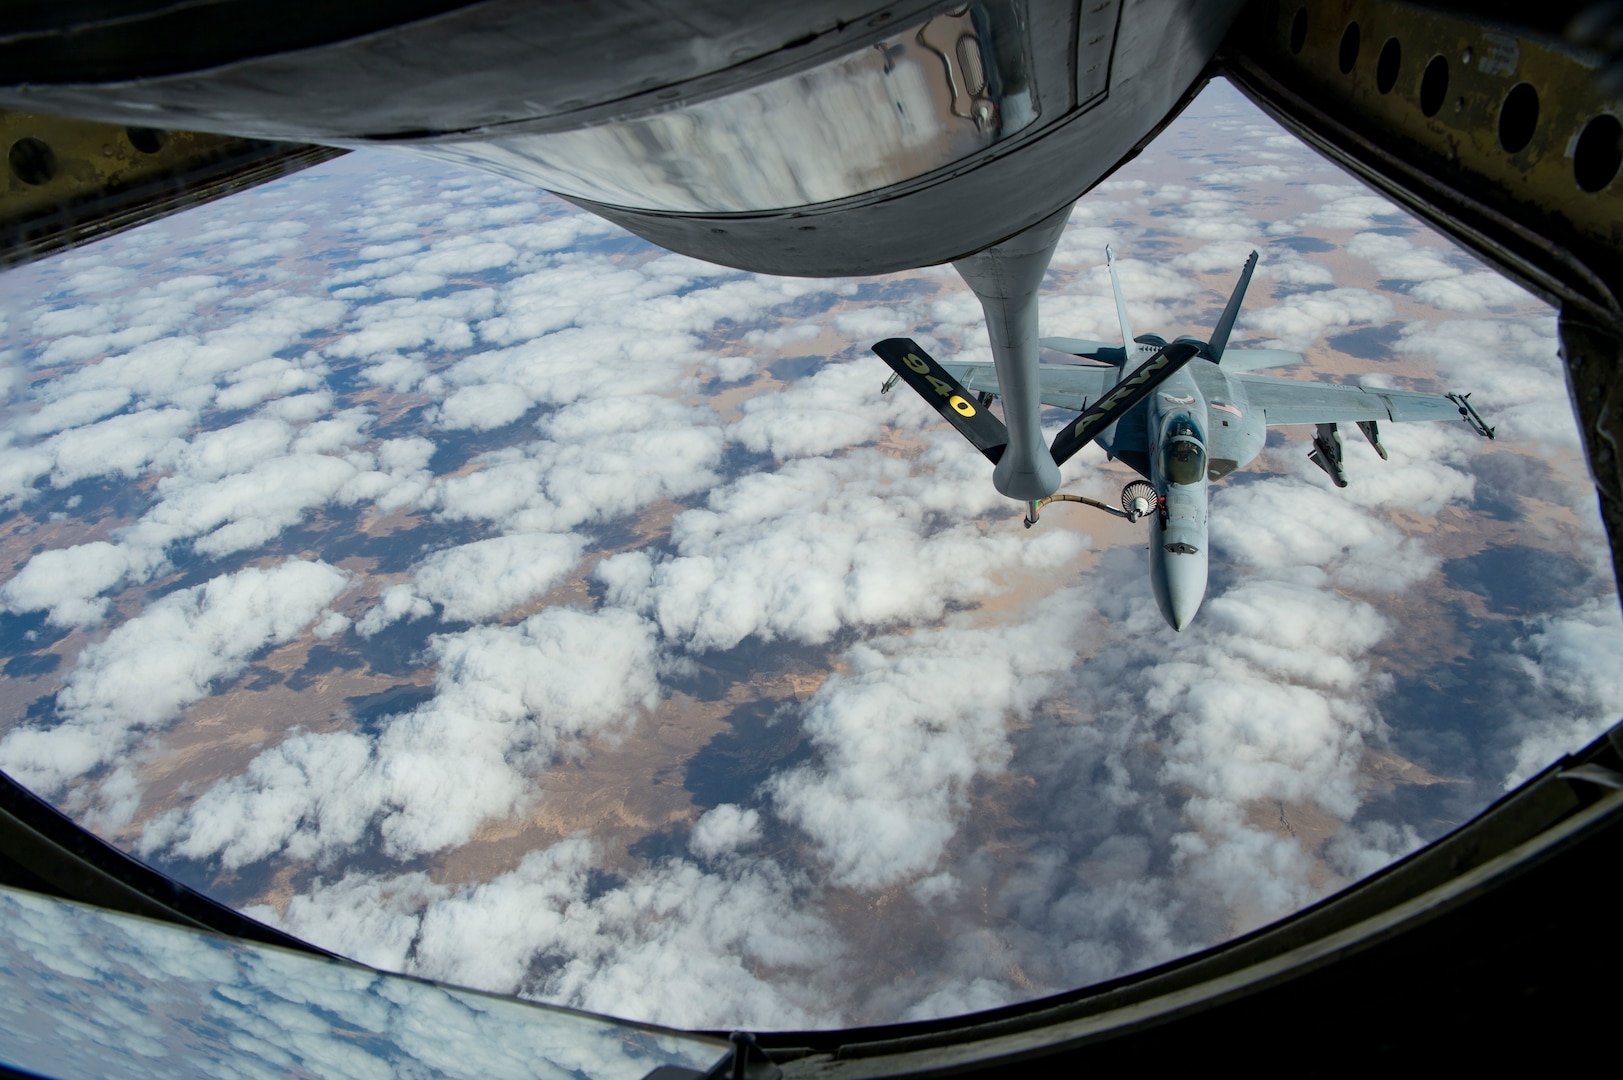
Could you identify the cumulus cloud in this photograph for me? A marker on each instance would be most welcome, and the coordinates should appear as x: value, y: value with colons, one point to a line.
x: 225, y: 490
x: 836, y: 408
x: 1513, y: 369
x: 604, y: 458
x: 1481, y: 291
x: 1348, y: 206
x: 395, y: 603
x: 146, y: 671
x: 507, y: 701
x: 476, y: 581
x: 1574, y: 687
x: 1440, y: 281
x: 823, y: 543
x: 1310, y: 532
x: 1401, y: 259
x: 171, y: 368
x: 672, y: 944
x: 724, y: 829
x: 904, y: 729
x: 1296, y: 322
x: 67, y: 582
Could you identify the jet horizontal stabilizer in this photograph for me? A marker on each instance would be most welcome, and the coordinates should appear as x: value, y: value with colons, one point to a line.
x: 1103, y: 351
x: 1127, y: 393
x: 956, y: 405
x: 1255, y: 359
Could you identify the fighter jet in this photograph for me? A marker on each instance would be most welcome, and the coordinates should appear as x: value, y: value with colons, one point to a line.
x: 1188, y: 414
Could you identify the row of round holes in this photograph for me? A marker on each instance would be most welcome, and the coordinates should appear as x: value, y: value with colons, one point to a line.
x: 34, y: 162
x: 1595, y: 160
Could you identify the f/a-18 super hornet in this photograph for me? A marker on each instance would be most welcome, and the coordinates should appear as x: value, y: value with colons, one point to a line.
x: 1183, y: 415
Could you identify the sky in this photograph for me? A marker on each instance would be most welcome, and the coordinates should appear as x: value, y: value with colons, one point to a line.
x: 436, y: 571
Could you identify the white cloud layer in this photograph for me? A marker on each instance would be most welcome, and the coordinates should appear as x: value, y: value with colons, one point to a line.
x: 823, y: 543
x: 671, y: 943
x: 146, y: 671
x: 1030, y: 794
x: 507, y: 701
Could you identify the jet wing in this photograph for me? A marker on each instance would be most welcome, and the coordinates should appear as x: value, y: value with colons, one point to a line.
x: 1064, y: 385
x: 1286, y: 401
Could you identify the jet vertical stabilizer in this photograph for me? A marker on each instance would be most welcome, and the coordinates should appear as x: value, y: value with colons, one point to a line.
x: 1133, y: 350
x: 1005, y: 278
x: 1225, y: 322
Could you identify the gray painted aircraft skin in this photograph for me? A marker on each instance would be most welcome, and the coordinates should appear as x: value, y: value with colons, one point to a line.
x: 1207, y: 419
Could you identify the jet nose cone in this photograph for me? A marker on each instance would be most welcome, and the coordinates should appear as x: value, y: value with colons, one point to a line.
x: 1183, y: 610
x: 1180, y: 585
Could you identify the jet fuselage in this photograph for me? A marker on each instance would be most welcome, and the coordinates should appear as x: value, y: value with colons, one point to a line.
x: 1196, y: 428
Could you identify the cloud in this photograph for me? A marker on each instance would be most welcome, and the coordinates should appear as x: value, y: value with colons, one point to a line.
x: 724, y: 829
x: 1348, y: 206
x: 1399, y: 258
x: 904, y: 729
x: 1297, y: 322
x: 146, y: 671
x: 182, y: 370
x: 604, y: 459
x: 1512, y: 368
x: 1248, y: 174
x: 1440, y: 281
x: 825, y: 543
x: 1312, y: 534
x: 507, y: 701
x: 67, y: 582
x: 124, y: 445
x: 1574, y: 690
x: 226, y: 490
x: 389, y: 326
x: 671, y: 944
x: 838, y: 407
x: 1482, y: 291
x: 395, y: 603
x: 477, y: 581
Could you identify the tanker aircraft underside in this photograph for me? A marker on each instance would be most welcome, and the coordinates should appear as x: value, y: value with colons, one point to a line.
x: 1183, y: 415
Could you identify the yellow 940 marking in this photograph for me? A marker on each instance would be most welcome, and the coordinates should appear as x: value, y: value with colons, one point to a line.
x: 940, y: 386
x: 957, y: 401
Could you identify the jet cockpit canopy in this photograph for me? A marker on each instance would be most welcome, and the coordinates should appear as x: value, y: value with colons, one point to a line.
x: 1183, y: 457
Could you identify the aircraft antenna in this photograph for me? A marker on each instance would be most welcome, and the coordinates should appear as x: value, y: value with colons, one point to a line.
x: 1225, y: 323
